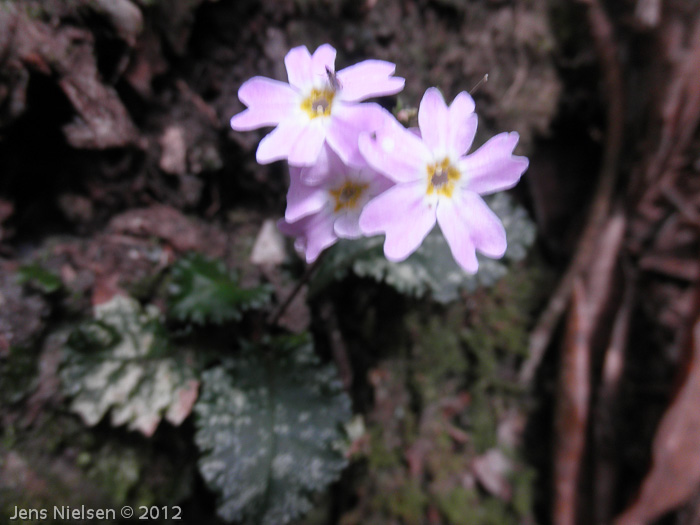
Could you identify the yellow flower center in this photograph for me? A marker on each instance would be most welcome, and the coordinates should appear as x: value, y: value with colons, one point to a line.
x: 442, y: 177
x: 318, y: 103
x: 347, y: 195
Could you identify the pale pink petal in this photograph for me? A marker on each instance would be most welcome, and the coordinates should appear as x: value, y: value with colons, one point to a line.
x: 403, y: 214
x: 476, y: 220
x: 269, y: 102
x: 457, y: 235
x: 370, y: 78
x: 336, y: 166
x: 307, y: 146
x: 485, y: 228
x: 277, y: 144
x: 250, y: 119
x: 433, y: 120
x: 323, y: 57
x: 347, y: 225
x: 319, y: 235
x: 395, y: 151
x: 493, y: 167
x: 296, y: 230
x: 319, y: 171
x: 303, y: 199
x: 298, y: 64
x: 292, y: 229
x: 462, y: 124
x: 262, y: 91
x: 347, y: 122
x: 316, y: 173
x: 378, y: 183
x: 314, y: 233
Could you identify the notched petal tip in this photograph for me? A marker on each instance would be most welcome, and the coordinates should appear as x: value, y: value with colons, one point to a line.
x: 236, y: 121
x: 493, y: 167
x: 394, y: 257
x: 463, y: 102
x: 268, y: 103
x: 469, y: 265
x: 264, y: 157
x: 324, y: 49
x: 322, y: 61
x: 369, y: 78
x: 324, y: 56
x: 298, y: 65
x: 302, y: 49
x: 494, y: 247
x: 433, y: 120
x: 507, y: 139
x: 392, y: 85
x: 257, y: 90
x: 248, y: 120
x: 521, y: 161
x: 433, y: 91
x: 485, y: 227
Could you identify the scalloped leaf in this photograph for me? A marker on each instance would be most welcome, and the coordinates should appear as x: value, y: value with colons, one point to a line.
x: 431, y: 269
x: 121, y: 361
x: 269, y: 425
x: 203, y: 291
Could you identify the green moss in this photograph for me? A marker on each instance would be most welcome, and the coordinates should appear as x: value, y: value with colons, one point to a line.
x: 9, y: 437
x: 462, y: 506
x: 483, y: 421
x: 437, y: 353
x: 495, y: 512
x: 106, y: 472
x: 503, y: 317
x: 379, y: 456
x: 18, y: 375
x: 37, y: 481
x: 471, y: 347
x: 497, y: 340
x: 522, y: 482
x: 458, y: 506
x: 116, y: 470
x: 407, y: 503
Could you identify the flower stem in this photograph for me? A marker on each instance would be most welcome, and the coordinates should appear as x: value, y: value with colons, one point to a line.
x: 279, y: 311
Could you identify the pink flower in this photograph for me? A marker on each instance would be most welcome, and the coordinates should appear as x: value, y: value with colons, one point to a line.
x: 436, y: 180
x: 317, y: 106
x: 318, y: 215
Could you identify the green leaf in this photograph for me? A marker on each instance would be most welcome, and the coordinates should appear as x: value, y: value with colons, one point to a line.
x: 431, y: 269
x: 39, y: 277
x: 203, y: 291
x: 270, y: 429
x: 122, y: 362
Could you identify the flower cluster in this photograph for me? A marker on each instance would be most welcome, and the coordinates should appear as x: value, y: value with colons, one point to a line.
x: 355, y: 170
